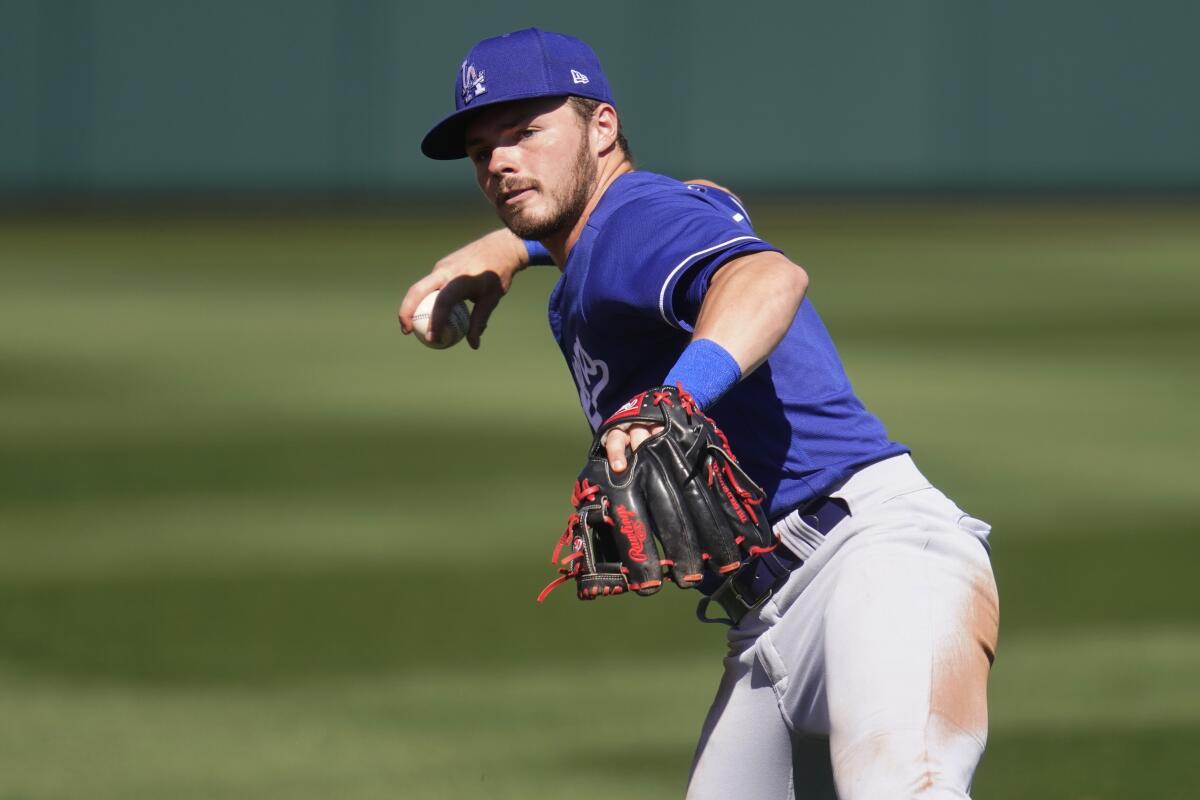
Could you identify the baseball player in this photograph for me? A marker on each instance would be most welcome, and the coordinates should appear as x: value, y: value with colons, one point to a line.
x: 863, y: 627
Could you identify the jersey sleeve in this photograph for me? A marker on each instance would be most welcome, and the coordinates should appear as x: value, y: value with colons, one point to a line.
x: 655, y: 257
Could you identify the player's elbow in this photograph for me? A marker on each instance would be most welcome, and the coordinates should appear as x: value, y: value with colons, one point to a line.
x: 769, y: 277
x: 799, y: 281
x: 790, y: 278
x: 788, y: 284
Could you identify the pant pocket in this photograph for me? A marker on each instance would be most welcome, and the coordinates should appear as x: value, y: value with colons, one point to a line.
x: 974, y: 525
x: 976, y: 528
x: 772, y: 663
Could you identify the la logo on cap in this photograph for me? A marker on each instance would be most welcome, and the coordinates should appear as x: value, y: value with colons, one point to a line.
x: 472, y: 82
x: 578, y: 77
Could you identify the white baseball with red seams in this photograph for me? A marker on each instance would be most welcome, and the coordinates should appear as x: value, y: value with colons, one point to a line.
x: 451, y: 333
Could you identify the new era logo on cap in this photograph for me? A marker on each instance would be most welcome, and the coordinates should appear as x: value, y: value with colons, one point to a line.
x: 578, y: 77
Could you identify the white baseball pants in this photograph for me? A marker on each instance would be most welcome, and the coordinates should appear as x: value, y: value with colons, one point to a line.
x: 865, y: 676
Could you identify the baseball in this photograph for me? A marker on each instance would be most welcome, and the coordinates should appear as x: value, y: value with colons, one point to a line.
x: 451, y: 333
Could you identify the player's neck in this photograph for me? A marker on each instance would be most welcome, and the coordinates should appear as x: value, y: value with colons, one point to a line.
x: 560, y: 246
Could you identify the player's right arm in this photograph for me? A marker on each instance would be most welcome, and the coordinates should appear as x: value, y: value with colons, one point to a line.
x: 481, y: 271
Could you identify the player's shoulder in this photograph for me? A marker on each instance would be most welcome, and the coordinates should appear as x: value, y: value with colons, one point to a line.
x: 651, y: 194
x: 642, y: 206
x: 720, y: 198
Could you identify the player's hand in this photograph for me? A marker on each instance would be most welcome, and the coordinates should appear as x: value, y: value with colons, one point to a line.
x: 683, y: 510
x: 629, y: 436
x: 481, y: 272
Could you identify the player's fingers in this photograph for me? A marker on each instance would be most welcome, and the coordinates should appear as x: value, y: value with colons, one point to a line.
x: 416, y: 293
x: 480, y: 312
x: 476, y: 288
x: 614, y: 444
x: 637, y: 435
x: 455, y: 291
x: 440, y: 312
x: 640, y: 433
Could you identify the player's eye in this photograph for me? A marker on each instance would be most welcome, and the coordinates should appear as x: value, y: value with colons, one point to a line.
x: 525, y: 134
x: 481, y: 156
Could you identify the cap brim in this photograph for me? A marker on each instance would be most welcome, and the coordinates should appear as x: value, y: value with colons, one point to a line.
x: 446, y: 141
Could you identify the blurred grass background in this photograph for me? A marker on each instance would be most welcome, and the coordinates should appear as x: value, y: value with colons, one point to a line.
x: 256, y: 544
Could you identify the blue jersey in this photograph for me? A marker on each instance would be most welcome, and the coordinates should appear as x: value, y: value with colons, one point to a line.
x: 624, y: 310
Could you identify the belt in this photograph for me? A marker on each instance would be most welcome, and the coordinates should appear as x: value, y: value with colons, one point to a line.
x: 757, y: 579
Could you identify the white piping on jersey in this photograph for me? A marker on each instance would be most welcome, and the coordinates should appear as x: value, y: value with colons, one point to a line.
x: 662, y: 295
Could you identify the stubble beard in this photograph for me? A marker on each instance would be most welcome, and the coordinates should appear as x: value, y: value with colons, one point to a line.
x: 565, y: 207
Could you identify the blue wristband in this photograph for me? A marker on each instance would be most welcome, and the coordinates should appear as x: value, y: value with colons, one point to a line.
x: 706, y: 370
x: 538, y: 256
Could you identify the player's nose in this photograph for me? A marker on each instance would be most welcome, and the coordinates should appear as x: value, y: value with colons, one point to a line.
x: 502, y: 162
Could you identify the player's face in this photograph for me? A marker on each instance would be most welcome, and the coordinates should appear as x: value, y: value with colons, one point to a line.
x: 534, y: 164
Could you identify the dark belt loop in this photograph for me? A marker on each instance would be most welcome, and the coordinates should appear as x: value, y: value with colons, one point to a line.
x: 729, y: 596
x: 757, y: 579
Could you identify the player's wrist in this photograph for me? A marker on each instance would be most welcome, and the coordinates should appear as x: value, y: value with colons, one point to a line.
x: 706, y: 370
x: 537, y: 254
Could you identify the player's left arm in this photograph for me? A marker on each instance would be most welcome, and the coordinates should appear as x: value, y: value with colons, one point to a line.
x: 750, y: 304
x: 747, y: 310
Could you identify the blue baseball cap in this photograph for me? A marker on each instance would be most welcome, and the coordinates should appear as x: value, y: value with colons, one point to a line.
x: 516, y: 66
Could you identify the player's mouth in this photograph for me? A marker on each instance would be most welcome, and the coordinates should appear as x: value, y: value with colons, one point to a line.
x: 514, y: 196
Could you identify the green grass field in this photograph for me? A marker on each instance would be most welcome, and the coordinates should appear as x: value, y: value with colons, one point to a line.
x: 256, y: 544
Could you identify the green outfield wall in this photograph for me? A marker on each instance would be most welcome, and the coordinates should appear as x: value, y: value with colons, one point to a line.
x: 131, y: 95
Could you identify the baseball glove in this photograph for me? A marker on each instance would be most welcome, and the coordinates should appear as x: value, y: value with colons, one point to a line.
x: 681, y: 507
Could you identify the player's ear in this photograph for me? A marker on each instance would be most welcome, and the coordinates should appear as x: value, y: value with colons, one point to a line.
x: 604, y: 128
